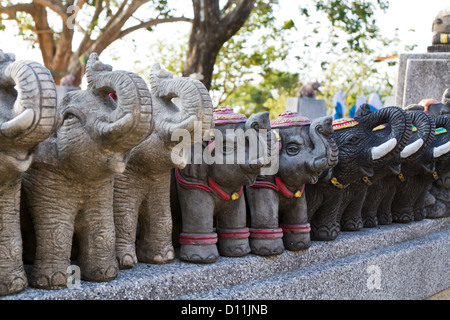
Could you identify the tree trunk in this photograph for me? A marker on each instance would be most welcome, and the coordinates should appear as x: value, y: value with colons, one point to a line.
x: 211, y: 28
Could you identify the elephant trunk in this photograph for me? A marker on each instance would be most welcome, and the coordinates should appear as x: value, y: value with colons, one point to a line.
x: 326, y: 151
x: 425, y: 126
x: 442, y: 148
x: 34, y: 116
x: 131, y: 122
x: 400, y: 125
x: 195, y: 102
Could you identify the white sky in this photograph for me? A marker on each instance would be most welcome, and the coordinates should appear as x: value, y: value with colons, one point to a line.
x: 404, y: 15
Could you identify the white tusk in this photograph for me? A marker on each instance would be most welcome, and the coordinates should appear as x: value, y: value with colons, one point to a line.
x: 18, y: 124
x: 441, y: 150
x: 383, y: 149
x: 411, y: 148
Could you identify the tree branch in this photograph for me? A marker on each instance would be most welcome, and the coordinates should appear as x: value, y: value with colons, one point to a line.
x: 151, y: 23
x: 13, y: 9
x: 56, y: 6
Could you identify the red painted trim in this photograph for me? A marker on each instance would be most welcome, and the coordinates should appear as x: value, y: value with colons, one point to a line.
x: 225, y: 196
x: 188, y: 184
x: 264, y: 184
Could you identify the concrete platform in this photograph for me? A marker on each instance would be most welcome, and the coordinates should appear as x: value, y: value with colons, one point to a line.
x: 402, y: 262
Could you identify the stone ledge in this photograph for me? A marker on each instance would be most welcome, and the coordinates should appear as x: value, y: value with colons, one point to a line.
x: 416, y: 256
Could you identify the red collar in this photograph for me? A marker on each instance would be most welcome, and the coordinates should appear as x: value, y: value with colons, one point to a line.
x: 279, y: 186
x: 212, y: 187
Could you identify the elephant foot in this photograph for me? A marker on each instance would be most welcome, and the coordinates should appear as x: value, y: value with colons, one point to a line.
x: 233, y: 242
x: 436, y: 211
x: 266, y: 242
x: 126, y: 257
x: 384, y: 218
x: 354, y: 224
x: 198, y: 248
x: 403, y: 216
x: 324, y: 232
x: 419, y: 215
x: 100, y: 272
x: 296, y: 237
x: 155, y: 253
x: 370, y: 222
x: 51, y: 277
x: 12, y: 280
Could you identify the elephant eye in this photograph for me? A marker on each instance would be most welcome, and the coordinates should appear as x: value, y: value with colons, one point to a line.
x: 70, y: 118
x: 353, y: 139
x: 292, y: 149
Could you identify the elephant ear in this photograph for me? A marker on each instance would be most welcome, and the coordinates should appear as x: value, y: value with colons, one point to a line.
x: 30, y: 93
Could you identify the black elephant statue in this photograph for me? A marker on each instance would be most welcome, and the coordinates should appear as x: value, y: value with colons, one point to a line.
x: 409, y: 199
x: 277, y: 204
x: 211, y: 195
x: 376, y: 208
x: 360, y: 149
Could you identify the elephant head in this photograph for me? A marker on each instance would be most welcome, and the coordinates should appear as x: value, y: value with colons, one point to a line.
x: 27, y: 112
x: 182, y: 107
x: 307, y: 149
x: 98, y: 132
x: 74, y: 172
x: 361, y: 147
x: 27, y: 116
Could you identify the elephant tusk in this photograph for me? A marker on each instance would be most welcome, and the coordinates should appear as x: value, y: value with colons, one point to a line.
x: 18, y: 125
x: 411, y: 148
x: 441, y: 150
x: 383, y: 149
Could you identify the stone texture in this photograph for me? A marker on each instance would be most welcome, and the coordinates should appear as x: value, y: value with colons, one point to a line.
x: 413, y: 258
x: 421, y: 76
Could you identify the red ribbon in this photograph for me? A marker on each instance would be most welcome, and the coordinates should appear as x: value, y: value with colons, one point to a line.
x: 278, y: 186
x: 234, y: 233
x: 213, y: 186
x: 296, y: 228
x: 266, y: 233
x: 209, y: 238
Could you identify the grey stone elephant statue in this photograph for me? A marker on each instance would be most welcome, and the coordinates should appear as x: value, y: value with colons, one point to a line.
x: 27, y: 116
x: 210, y: 194
x: 277, y: 204
x: 142, y: 191
x: 69, y: 188
x: 360, y: 149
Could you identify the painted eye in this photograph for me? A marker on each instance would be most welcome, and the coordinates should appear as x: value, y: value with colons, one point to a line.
x: 70, y: 117
x: 353, y: 139
x: 292, y: 149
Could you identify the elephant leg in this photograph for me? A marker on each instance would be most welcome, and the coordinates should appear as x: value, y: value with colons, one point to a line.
x: 232, y: 228
x: 53, y: 207
x: 351, y: 218
x: 403, y: 202
x: 155, y: 223
x: 323, y: 220
x: 294, y: 222
x: 370, y: 205
x: 129, y: 193
x: 419, y: 205
x: 198, y: 241
x: 265, y: 233
x: 96, y: 234
x: 12, y: 274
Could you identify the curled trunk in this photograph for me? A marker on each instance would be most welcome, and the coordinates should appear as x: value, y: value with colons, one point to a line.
x: 33, y: 117
x: 326, y: 150
x: 195, y: 102
x: 131, y: 122
x: 425, y: 126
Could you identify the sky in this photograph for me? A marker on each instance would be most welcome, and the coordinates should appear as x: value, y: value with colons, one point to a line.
x: 405, y: 15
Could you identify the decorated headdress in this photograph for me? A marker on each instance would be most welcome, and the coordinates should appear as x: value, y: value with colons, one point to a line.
x: 289, y: 118
x: 227, y: 115
x: 344, y: 123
